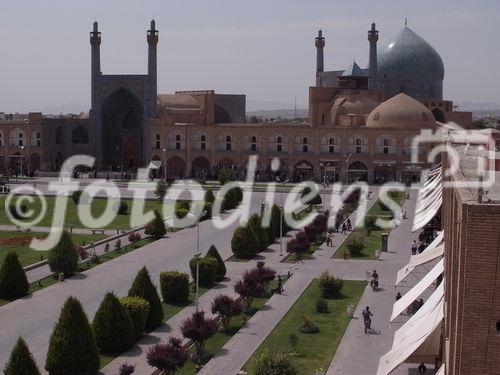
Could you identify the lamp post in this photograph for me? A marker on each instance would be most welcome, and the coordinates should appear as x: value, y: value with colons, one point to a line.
x: 197, y: 255
x: 282, y: 212
x: 165, y: 164
x: 22, y: 148
x: 347, y: 158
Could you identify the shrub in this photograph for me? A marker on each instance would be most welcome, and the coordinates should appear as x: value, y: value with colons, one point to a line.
x: 76, y: 195
x: 134, y: 237
x: 126, y: 369
x: 63, y: 257
x: 221, y: 267
x: 209, y: 196
x: 249, y: 287
x: 226, y: 307
x: 275, y: 223
x: 144, y: 288
x: 113, y: 329
x: 156, y: 228
x: 138, y: 310
x: 298, y: 245
x: 244, y: 243
x: 331, y: 287
x: 13, y: 281
x: 370, y: 224
x: 122, y: 208
x: 261, y: 233
x: 322, y: 306
x: 21, y: 361
x: 355, y: 247
x: 308, y: 325
x: 181, y: 213
x: 273, y: 364
x: 72, y: 347
x: 226, y: 175
x: 18, y: 212
x: 315, y: 200
x: 264, y: 274
x: 238, y: 194
x: 208, y: 209
x: 174, y: 287
x: 198, y: 329
x: 207, y: 269
x: 183, y: 204
x: 230, y: 200
x: 161, y: 189
x: 82, y: 252
x: 168, y: 358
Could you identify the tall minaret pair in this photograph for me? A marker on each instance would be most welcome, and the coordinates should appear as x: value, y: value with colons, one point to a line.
x: 152, y: 39
x: 319, y: 42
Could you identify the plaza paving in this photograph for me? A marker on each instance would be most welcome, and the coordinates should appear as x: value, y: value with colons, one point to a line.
x: 23, y: 317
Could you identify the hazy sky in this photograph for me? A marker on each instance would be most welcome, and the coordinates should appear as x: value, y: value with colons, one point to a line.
x: 264, y: 49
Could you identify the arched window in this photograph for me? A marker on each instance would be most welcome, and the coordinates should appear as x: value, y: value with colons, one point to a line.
x: 79, y: 135
x: 228, y: 143
x: 59, y: 136
x: 157, y: 141
x: 203, y: 139
x: 359, y: 143
x: 331, y: 147
x: 38, y: 139
x: 1, y: 139
x: 177, y: 142
x: 305, y: 144
x: 386, y: 143
x: 279, y: 140
x: 253, y: 143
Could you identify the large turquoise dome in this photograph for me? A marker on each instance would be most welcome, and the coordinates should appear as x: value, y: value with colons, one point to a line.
x: 408, y: 64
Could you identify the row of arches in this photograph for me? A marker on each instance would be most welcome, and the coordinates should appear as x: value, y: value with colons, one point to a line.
x: 330, y: 143
x: 302, y: 170
x: 79, y: 135
x: 18, y: 138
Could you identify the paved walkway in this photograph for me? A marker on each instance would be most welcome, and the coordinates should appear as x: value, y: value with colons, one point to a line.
x: 359, y: 354
x: 33, y: 317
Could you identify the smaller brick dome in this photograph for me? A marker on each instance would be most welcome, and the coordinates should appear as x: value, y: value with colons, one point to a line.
x: 401, y: 112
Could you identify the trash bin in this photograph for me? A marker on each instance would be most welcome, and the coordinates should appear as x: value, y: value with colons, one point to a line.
x: 377, y: 254
x: 385, y: 237
x: 60, y: 277
x: 350, y: 310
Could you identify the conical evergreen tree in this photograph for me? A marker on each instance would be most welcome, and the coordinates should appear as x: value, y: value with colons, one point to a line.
x: 274, y: 227
x: 13, y: 281
x: 209, y: 196
x: 63, y: 257
x: 113, y: 329
x: 244, y: 243
x: 72, y: 347
x: 255, y: 224
x: 221, y: 267
x: 21, y: 361
x: 156, y: 228
x: 143, y: 287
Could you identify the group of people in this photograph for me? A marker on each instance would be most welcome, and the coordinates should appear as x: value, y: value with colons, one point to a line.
x: 346, y: 226
x: 417, y: 247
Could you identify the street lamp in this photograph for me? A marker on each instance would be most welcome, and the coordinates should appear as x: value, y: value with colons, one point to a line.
x: 282, y: 212
x: 22, y: 148
x: 165, y: 164
x: 197, y: 255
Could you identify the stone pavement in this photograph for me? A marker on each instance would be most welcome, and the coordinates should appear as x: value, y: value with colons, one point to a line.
x: 359, y: 354
x: 33, y: 317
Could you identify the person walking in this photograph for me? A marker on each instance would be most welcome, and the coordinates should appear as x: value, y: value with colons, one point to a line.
x: 344, y: 228
x: 414, y: 247
x: 349, y: 224
x: 398, y: 296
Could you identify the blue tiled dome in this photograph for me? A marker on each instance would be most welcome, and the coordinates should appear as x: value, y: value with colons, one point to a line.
x: 407, y: 63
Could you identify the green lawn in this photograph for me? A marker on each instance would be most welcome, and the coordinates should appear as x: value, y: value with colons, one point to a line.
x: 97, y: 208
x: 314, y: 351
x: 372, y: 242
x: 28, y: 256
x: 216, y: 342
x: 50, y: 280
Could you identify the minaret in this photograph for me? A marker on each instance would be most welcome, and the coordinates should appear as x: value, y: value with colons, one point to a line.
x: 152, y: 73
x: 373, y: 39
x: 95, y: 42
x: 320, y: 63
